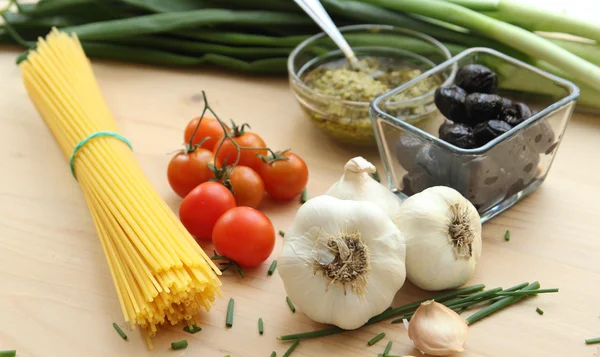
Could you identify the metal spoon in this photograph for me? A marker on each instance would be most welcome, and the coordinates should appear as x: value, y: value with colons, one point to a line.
x: 315, y: 10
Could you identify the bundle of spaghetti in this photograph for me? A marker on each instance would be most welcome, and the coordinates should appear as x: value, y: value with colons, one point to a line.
x: 160, y: 273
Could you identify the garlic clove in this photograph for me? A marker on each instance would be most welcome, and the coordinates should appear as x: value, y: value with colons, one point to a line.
x: 437, y: 330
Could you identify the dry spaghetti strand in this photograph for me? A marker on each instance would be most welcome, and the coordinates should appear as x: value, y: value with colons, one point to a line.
x: 160, y: 274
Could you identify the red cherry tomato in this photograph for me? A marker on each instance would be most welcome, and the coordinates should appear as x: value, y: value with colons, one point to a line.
x: 248, y: 187
x: 201, y: 208
x: 209, y: 127
x: 248, y: 158
x: 188, y: 170
x: 245, y: 235
x: 285, y: 179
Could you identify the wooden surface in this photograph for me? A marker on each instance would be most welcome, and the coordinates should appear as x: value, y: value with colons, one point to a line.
x: 57, y: 296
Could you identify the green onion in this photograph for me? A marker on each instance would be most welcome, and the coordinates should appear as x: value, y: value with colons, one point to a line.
x: 387, y: 348
x: 272, y: 267
x: 388, y: 313
x: 539, y: 311
x: 291, y: 349
x: 121, y: 333
x: 507, y: 235
x: 376, y: 339
x: 527, y: 292
x: 281, y: 233
x: 260, y: 326
x: 273, y: 354
x: 592, y: 341
x: 8, y: 353
x: 193, y: 329
x: 229, y: 319
x: 290, y: 304
x: 179, y: 345
x: 500, y: 304
x: 303, y: 196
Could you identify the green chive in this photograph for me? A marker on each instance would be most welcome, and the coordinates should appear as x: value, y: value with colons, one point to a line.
x: 528, y: 292
x: 193, y: 329
x: 290, y: 304
x: 179, y: 345
x: 500, y: 304
x: 387, y: 348
x: 260, y: 326
x: 375, y: 176
x: 592, y: 341
x: 8, y: 353
x: 514, y: 288
x: 479, y: 295
x: 121, y: 333
x: 272, y: 267
x: 291, y: 349
x: 376, y: 339
x: 389, y: 313
x: 462, y: 309
x: 273, y: 354
x: 539, y: 311
x: 507, y: 235
x: 303, y: 196
x: 281, y: 233
x: 229, y: 320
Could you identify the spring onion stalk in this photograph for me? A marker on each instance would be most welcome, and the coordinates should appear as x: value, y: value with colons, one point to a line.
x: 229, y: 318
x: 388, y: 347
x: 376, y: 339
x: 592, y: 341
x: 291, y: 349
x: 507, y: 235
x: 539, y: 311
x: 535, y: 18
x: 8, y: 353
x: 119, y: 331
x: 527, y: 292
x: 272, y: 267
x: 516, y: 37
x: 179, y: 345
x: 290, y: 303
x: 192, y: 329
x: 303, y: 196
x: 281, y: 233
x: 500, y: 304
x: 273, y: 354
x: 261, y: 329
x: 388, y: 313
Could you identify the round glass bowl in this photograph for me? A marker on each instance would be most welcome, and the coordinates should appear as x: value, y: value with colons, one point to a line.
x: 346, y: 120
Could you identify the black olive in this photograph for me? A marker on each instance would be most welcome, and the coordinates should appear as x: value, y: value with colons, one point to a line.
x: 475, y: 78
x: 451, y: 102
x: 516, y: 113
x: 506, y: 103
x: 458, y: 134
x: 488, y: 131
x: 481, y: 107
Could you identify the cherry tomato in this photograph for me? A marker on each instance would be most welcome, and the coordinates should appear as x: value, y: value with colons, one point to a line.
x: 247, y: 157
x: 209, y: 127
x: 201, y: 208
x: 245, y: 235
x: 188, y: 170
x: 285, y: 179
x: 248, y: 187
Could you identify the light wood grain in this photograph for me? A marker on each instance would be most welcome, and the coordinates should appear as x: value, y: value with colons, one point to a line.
x: 57, y: 296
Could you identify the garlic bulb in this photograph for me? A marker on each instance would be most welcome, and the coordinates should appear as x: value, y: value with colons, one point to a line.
x: 443, y: 238
x: 342, y: 262
x: 437, y: 330
x: 357, y: 184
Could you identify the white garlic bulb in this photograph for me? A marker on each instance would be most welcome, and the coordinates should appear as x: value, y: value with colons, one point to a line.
x: 358, y: 185
x: 443, y: 238
x: 342, y: 262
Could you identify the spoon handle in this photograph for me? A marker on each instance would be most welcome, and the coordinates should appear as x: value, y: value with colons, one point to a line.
x: 316, y: 11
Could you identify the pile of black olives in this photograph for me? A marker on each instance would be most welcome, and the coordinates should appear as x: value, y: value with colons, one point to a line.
x: 476, y: 114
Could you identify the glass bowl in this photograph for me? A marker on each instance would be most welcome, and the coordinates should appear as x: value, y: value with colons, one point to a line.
x: 494, y: 176
x: 345, y: 120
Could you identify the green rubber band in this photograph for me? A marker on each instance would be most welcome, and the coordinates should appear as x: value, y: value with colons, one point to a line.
x: 90, y: 137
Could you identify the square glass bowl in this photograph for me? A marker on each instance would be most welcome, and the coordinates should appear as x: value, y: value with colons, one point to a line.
x: 494, y: 176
